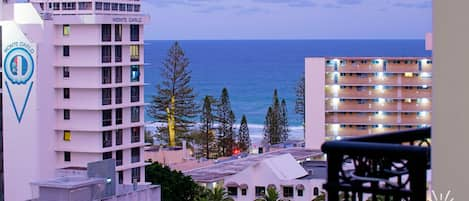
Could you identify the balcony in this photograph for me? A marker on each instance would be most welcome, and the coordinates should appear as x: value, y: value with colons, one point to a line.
x: 390, y: 166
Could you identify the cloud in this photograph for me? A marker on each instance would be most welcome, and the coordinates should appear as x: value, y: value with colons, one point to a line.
x: 211, y: 9
x: 349, y: 2
x: 291, y: 3
x: 423, y: 4
x: 191, y: 3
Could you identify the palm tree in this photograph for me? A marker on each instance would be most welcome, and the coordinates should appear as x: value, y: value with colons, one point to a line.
x: 218, y: 194
x: 272, y: 195
x: 321, y: 197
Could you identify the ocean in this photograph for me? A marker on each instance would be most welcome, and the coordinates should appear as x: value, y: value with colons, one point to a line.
x: 252, y: 69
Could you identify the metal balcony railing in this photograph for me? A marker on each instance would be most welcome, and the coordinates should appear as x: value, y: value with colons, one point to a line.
x: 390, y: 167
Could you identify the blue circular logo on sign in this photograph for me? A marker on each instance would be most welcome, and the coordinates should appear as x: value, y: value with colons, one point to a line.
x: 19, y: 66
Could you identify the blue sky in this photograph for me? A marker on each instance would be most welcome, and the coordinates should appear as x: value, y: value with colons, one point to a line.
x: 287, y: 19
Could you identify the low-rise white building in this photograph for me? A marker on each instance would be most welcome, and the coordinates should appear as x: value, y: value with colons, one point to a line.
x: 290, y: 171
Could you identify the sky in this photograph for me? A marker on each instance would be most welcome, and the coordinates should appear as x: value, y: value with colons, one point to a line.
x: 287, y: 19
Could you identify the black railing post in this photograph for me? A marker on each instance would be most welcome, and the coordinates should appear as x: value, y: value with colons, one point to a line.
x: 334, y: 165
x: 418, y: 177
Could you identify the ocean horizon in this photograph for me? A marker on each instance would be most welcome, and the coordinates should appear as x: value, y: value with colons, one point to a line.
x: 252, y: 69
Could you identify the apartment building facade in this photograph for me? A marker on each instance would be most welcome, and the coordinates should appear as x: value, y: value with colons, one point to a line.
x: 73, y: 77
x: 355, y: 96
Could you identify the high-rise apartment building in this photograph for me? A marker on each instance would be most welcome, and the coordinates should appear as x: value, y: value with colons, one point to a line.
x: 72, y: 89
x: 354, y: 96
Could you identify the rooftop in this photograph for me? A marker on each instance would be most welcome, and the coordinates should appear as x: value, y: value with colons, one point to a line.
x: 221, y: 170
x: 315, y: 169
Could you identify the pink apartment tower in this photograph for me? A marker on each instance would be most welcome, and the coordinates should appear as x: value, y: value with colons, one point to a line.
x: 72, y: 89
x: 356, y: 96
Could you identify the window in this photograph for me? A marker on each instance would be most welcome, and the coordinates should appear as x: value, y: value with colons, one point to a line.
x: 107, y: 155
x: 66, y: 29
x: 69, y: 6
x: 130, y: 7
x: 118, y: 30
x: 134, y: 94
x: 120, y: 177
x: 135, y: 114
x: 244, y: 192
x: 121, y: 7
x: 106, y: 75
x: 107, y: 6
x: 232, y: 191
x: 106, y: 56
x: 67, y: 156
x: 134, y: 32
x: 66, y: 51
x: 118, y: 74
x: 119, y: 134
x: 99, y: 6
x: 135, y: 155
x: 84, y: 5
x: 135, y: 175
x: 56, y: 6
x: 300, y: 193
x: 408, y: 74
x: 67, y: 136
x: 316, y: 191
x: 134, y: 53
x: 134, y: 73
x: 287, y: 191
x: 136, y: 8
x: 66, y: 114
x: 115, y: 6
x: 118, y: 53
x: 106, y: 32
x: 119, y: 116
x: 118, y: 157
x: 119, y: 95
x: 66, y: 93
x: 107, y: 117
x: 66, y: 72
x: 107, y: 139
x: 107, y: 96
x: 260, y: 191
x: 135, y: 135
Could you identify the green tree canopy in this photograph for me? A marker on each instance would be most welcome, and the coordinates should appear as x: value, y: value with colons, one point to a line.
x: 175, y: 186
x: 244, y: 142
x: 176, y: 85
x: 226, y: 120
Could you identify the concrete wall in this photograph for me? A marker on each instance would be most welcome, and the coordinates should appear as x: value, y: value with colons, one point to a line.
x: 450, y: 98
x: 315, y: 102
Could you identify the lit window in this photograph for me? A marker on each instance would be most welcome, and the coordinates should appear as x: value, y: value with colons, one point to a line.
x: 335, y: 127
x: 66, y: 30
x: 134, y: 73
x: 381, y: 100
x: 424, y: 86
x: 423, y: 113
x: 134, y: 53
x: 424, y: 100
x: 381, y: 75
x: 379, y: 87
x: 408, y: 100
x: 425, y: 75
x: 67, y: 136
x: 335, y: 101
x: 408, y: 74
